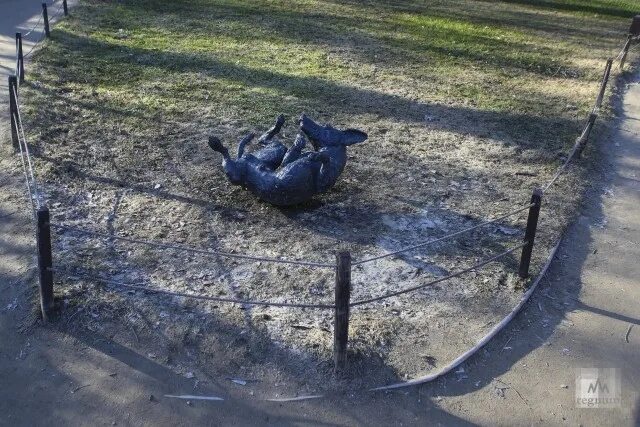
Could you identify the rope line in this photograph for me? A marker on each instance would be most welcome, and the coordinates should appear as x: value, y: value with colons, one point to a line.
x: 26, y: 149
x: 448, y: 236
x: 186, y: 295
x: 189, y: 249
x: 34, y: 27
x: 145, y: 288
x: 442, y: 279
x: 24, y: 168
x: 34, y: 46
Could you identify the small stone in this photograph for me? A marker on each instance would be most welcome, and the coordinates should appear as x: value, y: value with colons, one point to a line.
x: 152, y: 398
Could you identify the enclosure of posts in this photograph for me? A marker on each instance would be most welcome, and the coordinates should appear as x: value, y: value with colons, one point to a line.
x: 343, y: 264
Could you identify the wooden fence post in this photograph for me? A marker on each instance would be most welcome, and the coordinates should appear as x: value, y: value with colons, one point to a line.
x: 530, y: 233
x: 65, y: 7
x: 45, y: 262
x: 584, y: 137
x: 341, y: 319
x: 45, y: 17
x: 625, y: 51
x: 13, y: 111
x: 20, y: 64
x: 603, y: 84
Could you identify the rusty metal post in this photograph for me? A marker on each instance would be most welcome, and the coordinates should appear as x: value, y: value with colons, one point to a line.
x: 45, y: 17
x: 530, y: 233
x: 20, y: 58
x: 341, y: 319
x: 45, y: 262
x: 13, y: 111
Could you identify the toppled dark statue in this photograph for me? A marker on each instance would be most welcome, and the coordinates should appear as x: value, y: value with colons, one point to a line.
x: 288, y: 176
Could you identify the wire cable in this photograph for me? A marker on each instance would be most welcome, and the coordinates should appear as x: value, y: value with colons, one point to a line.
x: 24, y: 168
x: 189, y: 249
x: 448, y: 236
x: 442, y: 279
x: 26, y: 149
x: 141, y: 287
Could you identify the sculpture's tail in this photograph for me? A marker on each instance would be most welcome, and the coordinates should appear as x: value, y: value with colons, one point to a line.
x: 326, y: 136
x: 216, y: 145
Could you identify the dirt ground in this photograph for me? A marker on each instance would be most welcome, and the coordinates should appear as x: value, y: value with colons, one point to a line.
x: 425, y: 171
x: 88, y: 369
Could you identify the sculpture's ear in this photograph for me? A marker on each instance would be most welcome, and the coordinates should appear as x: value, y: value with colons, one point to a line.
x: 353, y: 136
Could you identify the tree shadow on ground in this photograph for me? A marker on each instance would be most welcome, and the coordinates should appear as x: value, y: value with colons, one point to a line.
x: 318, y: 94
x: 374, y: 40
x: 537, y: 322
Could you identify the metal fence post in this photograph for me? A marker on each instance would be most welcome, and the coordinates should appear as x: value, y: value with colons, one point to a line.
x: 20, y: 65
x: 13, y: 111
x: 530, y: 234
x: 45, y: 17
x: 45, y: 262
x: 65, y: 7
x: 341, y: 319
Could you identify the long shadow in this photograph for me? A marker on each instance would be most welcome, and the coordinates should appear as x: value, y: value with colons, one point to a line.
x: 571, y: 27
x: 599, y: 7
x: 242, y: 405
x: 319, y: 93
x: 535, y: 327
x: 376, y: 43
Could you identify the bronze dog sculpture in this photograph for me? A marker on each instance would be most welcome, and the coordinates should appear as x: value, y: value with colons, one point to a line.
x: 288, y: 176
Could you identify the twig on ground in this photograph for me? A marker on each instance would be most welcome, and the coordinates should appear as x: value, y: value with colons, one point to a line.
x: 192, y: 397
x: 626, y: 337
x: 80, y: 388
x: 514, y: 389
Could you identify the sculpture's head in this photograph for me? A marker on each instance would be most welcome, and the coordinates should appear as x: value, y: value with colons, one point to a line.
x: 328, y: 136
x: 234, y: 169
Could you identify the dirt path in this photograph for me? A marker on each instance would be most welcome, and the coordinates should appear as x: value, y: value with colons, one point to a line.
x: 579, y: 318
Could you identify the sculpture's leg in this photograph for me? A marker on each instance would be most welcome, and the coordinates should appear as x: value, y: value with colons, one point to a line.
x: 295, y: 151
x: 268, y: 135
x: 243, y: 143
x: 323, y: 178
